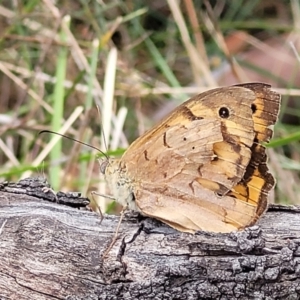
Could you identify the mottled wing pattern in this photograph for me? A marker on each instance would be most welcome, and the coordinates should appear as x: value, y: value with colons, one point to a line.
x: 203, y: 167
x: 183, y: 137
x: 195, y: 154
x: 257, y: 182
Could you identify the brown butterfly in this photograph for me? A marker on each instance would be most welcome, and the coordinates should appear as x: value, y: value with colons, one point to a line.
x: 204, y: 166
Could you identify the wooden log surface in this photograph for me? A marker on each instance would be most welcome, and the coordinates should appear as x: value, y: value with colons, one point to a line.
x: 50, y: 250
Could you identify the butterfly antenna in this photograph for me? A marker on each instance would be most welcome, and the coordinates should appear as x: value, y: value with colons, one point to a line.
x: 74, y: 140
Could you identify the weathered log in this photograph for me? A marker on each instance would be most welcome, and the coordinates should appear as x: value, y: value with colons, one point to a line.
x: 54, y: 251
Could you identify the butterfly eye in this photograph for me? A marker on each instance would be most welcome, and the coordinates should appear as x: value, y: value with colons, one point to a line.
x: 103, y: 166
x: 224, y: 112
x: 253, y: 107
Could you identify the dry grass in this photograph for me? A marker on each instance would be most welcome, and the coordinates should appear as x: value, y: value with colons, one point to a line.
x: 135, y: 62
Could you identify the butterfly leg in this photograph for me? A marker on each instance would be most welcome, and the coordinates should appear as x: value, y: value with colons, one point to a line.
x: 99, y: 211
x: 116, y: 232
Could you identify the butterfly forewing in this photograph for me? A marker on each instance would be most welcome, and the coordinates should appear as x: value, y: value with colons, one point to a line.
x: 189, y: 127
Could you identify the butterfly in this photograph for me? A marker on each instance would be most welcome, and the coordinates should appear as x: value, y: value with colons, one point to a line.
x: 204, y: 166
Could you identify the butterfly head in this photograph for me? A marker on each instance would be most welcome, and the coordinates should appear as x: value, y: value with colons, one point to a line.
x: 109, y: 165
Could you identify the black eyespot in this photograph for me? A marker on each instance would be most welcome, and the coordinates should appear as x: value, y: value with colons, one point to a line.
x: 224, y: 112
x: 253, y: 107
x: 184, y: 138
x: 193, y: 148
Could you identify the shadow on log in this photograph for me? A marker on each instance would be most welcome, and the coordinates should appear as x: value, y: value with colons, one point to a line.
x: 54, y: 251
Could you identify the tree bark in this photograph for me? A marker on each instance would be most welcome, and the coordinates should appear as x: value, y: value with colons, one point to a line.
x: 54, y: 251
